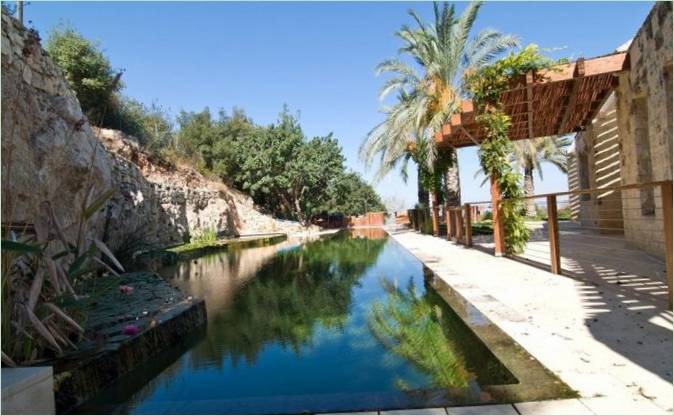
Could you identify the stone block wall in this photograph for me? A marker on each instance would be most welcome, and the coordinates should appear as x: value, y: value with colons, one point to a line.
x: 594, y: 162
x: 49, y: 152
x: 644, y: 106
x: 630, y: 141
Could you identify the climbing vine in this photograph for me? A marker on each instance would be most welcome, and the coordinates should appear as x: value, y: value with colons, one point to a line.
x: 486, y: 86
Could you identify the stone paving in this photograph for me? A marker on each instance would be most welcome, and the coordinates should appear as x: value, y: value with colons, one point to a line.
x: 612, y: 346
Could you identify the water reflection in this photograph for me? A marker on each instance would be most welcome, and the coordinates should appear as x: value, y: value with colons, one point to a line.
x: 421, y: 328
x: 409, y: 326
x: 291, y: 294
x: 316, y: 326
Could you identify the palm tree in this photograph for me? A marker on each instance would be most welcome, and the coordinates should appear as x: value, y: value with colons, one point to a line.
x: 528, y: 156
x: 396, y: 139
x: 444, y: 52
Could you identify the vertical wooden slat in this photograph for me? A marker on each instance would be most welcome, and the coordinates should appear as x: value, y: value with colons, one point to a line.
x: 666, y: 194
x: 553, y: 235
x: 499, y: 241
x: 468, y: 233
x: 450, y: 224
x: 448, y: 221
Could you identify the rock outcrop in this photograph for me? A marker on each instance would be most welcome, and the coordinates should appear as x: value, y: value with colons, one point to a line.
x: 167, y: 203
x: 51, y: 153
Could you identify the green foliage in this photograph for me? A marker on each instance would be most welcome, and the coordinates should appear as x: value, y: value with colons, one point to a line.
x: 208, y: 236
x: 444, y: 51
x: 291, y: 296
x: 564, y: 214
x: 88, y: 72
x: 38, y: 273
x: 151, y: 125
x: 486, y: 85
x: 410, y: 326
x: 349, y: 194
x: 482, y: 227
x: 285, y: 172
x: 97, y: 86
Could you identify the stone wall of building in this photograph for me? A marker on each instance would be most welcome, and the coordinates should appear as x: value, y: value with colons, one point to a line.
x: 644, y: 106
x: 594, y: 162
x: 51, y: 153
x: 630, y: 141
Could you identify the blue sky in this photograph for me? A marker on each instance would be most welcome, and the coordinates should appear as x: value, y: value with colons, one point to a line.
x: 319, y: 58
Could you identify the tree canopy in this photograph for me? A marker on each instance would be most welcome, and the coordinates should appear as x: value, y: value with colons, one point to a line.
x: 285, y: 172
x: 87, y: 70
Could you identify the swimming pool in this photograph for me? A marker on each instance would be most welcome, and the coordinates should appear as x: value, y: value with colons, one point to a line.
x: 350, y: 321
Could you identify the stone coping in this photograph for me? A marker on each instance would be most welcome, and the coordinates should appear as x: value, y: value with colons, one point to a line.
x: 15, y: 380
x: 615, y: 351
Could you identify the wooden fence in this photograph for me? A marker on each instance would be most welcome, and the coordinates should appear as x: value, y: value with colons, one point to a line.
x: 658, y: 219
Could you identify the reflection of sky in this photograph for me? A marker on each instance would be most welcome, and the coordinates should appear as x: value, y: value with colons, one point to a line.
x: 334, y: 360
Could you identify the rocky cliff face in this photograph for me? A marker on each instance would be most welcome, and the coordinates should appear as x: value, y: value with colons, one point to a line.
x: 167, y: 203
x: 51, y: 153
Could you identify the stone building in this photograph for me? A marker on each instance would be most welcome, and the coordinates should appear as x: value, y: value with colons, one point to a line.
x: 629, y: 141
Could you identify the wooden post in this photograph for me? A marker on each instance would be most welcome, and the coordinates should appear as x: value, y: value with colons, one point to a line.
x: 458, y: 225
x: 499, y: 241
x: 468, y: 234
x: 553, y: 235
x: 448, y: 221
x: 666, y: 195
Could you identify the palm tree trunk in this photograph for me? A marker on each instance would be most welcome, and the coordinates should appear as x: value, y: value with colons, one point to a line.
x: 435, y: 214
x: 453, y: 191
x: 529, y: 191
x: 422, y: 193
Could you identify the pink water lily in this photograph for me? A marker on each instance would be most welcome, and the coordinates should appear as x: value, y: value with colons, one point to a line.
x: 130, y: 330
x: 127, y: 290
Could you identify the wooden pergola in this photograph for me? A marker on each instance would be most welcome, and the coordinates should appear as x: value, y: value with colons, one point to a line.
x: 558, y: 101
x: 561, y: 100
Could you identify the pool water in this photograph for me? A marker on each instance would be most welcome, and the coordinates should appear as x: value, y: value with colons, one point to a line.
x: 342, y: 323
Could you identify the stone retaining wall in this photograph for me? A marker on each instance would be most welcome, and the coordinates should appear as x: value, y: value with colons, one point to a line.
x: 51, y: 153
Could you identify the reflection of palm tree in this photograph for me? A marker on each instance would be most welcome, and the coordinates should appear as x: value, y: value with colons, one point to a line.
x: 410, y: 326
x: 289, y: 296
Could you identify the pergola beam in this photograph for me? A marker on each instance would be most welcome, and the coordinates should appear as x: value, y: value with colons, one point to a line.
x: 555, y: 101
x: 579, y: 73
x: 530, y: 97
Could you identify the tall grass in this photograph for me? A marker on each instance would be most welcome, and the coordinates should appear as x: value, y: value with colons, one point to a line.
x: 40, y: 268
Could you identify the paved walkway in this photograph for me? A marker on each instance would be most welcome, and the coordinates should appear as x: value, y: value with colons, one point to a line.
x: 611, y: 346
x: 593, y: 257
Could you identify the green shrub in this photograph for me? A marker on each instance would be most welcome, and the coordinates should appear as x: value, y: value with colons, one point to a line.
x: 204, y: 237
x: 88, y: 72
